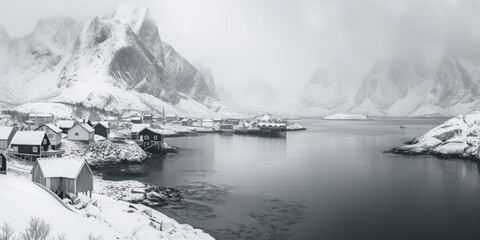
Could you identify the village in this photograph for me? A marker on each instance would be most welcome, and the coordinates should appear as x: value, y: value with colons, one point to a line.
x: 58, y: 155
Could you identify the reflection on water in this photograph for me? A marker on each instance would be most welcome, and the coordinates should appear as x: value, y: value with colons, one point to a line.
x: 330, y: 182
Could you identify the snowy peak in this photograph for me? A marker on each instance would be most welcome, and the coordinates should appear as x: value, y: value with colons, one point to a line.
x: 56, y: 32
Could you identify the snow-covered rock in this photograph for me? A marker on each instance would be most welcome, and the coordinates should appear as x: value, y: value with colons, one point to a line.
x: 458, y: 136
x: 344, y: 116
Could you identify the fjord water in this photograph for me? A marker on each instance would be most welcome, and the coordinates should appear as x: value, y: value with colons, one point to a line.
x: 333, y: 181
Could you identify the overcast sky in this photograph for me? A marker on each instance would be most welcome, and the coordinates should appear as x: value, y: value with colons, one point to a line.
x: 280, y: 41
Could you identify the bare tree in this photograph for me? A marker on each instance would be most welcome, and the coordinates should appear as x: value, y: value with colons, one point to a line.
x: 92, y: 237
x: 37, y: 229
x: 6, y: 232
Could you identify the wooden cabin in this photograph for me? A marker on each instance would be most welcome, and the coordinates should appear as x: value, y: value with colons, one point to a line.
x: 187, y: 122
x: 40, y: 118
x: 3, y: 163
x: 6, y: 135
x: 136, y: 120
x: 102, y: 129
x: 136, y: 128
x: 30, y: 144
x: 170, y: 118
x: 148, y: 117
x: 150, y: 137
x: 54, y: 134
x: 65, y: 125
x: 65, y: 177
x: 81, y: 132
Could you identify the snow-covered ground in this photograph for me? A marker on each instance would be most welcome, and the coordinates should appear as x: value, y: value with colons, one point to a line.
x: 344, y: 116
x: 458, y: 136
x: 100, y: 216
x: 22, y: 199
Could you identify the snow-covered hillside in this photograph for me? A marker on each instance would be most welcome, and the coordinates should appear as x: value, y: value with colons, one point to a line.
x: 115, y: 62
x: 449, y: 85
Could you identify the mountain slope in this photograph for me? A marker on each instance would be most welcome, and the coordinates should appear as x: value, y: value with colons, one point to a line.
x: 117, y: 62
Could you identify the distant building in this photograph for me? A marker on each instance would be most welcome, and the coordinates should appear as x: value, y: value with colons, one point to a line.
x: 65, y: 177
x: 136, y: 120
x: 170, y: 118
x: 207, y: 122
x: 150, y: 137
x: 81, y: 132
x: 226, y: 127
x: 102, y: 129
x: 3, y: 163
x: 233, y: 121
x: 148, y: 117
x: 54, y: 135
x: 65, y: 125
x: 217, y: 120
x: 187, y: 122
x: 31, y: 145
x: 136, y: 128
x: 6, y: 135
x: 40, y: 118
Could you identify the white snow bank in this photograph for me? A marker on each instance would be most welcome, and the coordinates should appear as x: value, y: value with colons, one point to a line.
x: 22, y: 199
x: 344, y: 116
x: 458, y: 136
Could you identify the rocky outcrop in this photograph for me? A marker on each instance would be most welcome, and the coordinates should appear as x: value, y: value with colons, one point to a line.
x: 457, y: 137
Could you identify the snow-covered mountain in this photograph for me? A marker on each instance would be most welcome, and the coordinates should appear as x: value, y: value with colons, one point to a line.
x: 118, y: 62
x: 400, y: 87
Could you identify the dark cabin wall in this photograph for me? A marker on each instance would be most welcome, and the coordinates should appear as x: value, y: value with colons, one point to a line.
x: 101, y: 130
x: 150, y: 134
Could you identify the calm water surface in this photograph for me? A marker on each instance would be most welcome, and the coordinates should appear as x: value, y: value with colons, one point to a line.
x: 332, y: 181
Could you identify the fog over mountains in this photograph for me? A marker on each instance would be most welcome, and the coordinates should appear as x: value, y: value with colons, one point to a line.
x: 120, y: 62
x: 117, y: 62
x: 399, y: 87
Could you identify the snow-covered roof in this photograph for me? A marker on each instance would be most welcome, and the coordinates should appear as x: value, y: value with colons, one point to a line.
x: 158, y: 131
x: 105, y: 124
x: 39, y: 115
x: 5, y: 132
x: 139, y: 127
x: 136, y: 118
x: 28, y: 138
x: 60, y: 167
x: 65, y: 123
x: 87, y: 127
x: 53, y: 127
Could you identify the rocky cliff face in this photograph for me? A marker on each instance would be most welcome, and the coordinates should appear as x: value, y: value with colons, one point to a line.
x: 100, y: 62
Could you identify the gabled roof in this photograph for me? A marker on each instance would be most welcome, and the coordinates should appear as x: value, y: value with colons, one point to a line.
x: 52, y: 127
x: 28, y: 138
x: 157, y: 131
x: 65, y: 123
x: 139, y: 127
x: 5, y: 132
x: 61, y: 167
x: 105, y: 124
x: 86, y: 127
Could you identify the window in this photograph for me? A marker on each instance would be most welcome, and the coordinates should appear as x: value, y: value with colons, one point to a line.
x: 44, y: 141
x: 50, y: 135
x: 76, y: 134
x: 145, y: 137
x: 155, y: 137
x: 34, y: 149
x: 15, y: 148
